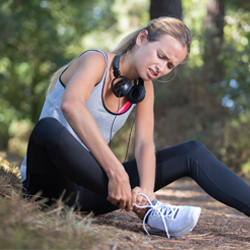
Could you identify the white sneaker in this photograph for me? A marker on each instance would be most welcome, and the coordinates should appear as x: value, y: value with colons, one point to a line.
x: 174, y: 220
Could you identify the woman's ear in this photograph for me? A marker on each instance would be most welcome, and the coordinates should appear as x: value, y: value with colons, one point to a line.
x: 142, y: 37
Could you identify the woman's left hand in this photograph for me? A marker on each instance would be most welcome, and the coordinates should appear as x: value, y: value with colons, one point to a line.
x: 141, y: 200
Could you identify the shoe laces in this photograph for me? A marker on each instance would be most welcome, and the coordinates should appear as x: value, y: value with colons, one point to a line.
x: 166, y: 212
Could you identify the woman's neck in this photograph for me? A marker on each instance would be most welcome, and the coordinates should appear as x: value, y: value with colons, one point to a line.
x: 127, y: 66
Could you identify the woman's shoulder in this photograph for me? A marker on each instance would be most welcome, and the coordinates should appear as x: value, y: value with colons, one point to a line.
x: 91, y: 64
x: 97, y: 56
x: 91, y: 61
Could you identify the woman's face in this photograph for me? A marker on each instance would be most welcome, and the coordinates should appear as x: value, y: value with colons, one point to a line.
x: 155, y: 59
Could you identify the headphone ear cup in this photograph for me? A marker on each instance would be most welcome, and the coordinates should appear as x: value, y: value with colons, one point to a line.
x: 122, y: 87
x: 136, y: 94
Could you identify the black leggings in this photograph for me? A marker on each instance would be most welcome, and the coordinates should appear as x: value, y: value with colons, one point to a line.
x: 57, y: 162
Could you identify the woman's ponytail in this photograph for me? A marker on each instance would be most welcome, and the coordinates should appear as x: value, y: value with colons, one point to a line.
x: 54, y: 78
x: 128, y: 42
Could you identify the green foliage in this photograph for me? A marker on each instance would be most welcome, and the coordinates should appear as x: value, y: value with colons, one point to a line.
x: 40, y: 36
x: 36, y: 37
x: 239, y: 4
x: 7, y: 113
x: 19, y: 132
x: 195, y: 21
x: 190, y: 107
x: 235, y: 88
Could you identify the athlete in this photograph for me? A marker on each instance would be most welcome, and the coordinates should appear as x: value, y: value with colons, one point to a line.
x: 88, y: 101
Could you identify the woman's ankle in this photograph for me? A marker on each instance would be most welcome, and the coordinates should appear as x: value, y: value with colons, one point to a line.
x: 140, y: 212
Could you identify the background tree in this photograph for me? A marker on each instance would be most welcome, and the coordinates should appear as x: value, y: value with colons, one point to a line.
x: 165, y: 8
x: 195, y: 105
x: 214, y: 40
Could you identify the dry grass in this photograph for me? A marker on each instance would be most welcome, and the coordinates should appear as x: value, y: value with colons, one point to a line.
x: 24, y: 225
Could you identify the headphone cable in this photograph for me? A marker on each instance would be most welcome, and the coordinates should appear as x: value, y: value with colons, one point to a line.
x: 131, y: 132
x: 112, y: 125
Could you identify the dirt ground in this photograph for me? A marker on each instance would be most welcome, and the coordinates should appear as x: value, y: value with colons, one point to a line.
x: 219, y: 226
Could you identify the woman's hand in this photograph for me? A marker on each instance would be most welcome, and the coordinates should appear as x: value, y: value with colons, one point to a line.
x: 141, y: 200
x: 119, y: 190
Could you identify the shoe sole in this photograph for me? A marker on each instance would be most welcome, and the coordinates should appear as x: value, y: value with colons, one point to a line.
x: 196, y: 217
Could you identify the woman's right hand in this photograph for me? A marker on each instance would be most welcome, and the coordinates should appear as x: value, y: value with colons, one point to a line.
x: 119, y: 190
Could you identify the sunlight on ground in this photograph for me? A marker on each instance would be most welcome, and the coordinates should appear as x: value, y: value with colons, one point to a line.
x: 178, y: 193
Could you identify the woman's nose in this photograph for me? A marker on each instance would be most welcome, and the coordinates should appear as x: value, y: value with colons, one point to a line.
x: 162, y: 68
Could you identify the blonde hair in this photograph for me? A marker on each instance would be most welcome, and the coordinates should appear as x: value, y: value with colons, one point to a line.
x: 54, y: 78
x: 156, y: 29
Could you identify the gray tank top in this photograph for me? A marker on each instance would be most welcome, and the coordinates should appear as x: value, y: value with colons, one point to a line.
x: 95, y: 104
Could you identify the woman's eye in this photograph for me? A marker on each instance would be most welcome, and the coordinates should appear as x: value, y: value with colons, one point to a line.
x: 170, y: 65
x: 160, y: 56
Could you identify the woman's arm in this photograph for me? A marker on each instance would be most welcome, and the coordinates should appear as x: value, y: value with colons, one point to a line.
x: 88, y: 71
x: 144, y: 146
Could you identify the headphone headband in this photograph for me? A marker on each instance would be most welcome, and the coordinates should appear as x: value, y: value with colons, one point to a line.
x: 116, y: 71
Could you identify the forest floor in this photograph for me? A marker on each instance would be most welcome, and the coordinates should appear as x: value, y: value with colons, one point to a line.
x: 219, y: 226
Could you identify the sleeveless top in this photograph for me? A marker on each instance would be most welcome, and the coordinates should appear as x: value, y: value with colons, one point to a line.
x: 105, y: 119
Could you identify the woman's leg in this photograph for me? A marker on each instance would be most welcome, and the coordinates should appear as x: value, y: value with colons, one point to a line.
x: 192, y: 159
x: 57, y: 162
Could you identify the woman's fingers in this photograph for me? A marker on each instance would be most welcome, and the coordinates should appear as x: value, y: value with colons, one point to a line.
x: 119, y: 191
x: 121, y: 200
x: 141, y: 200
x: 123, y: 204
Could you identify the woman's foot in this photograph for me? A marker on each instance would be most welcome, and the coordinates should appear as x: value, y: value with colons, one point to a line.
x: 176, y: 221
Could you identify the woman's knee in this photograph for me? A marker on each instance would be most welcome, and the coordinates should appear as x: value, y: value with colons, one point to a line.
x: 46, y: 128
x: 47, y: 124
x: 195, y: 145
x: 194, y: 148
x: 187, y: 150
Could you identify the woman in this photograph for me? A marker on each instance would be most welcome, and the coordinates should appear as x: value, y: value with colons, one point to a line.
x: 88, y: 101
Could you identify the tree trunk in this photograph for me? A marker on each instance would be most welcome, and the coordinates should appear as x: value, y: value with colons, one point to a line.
x: 160, y: 8
x: 214, y: 24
